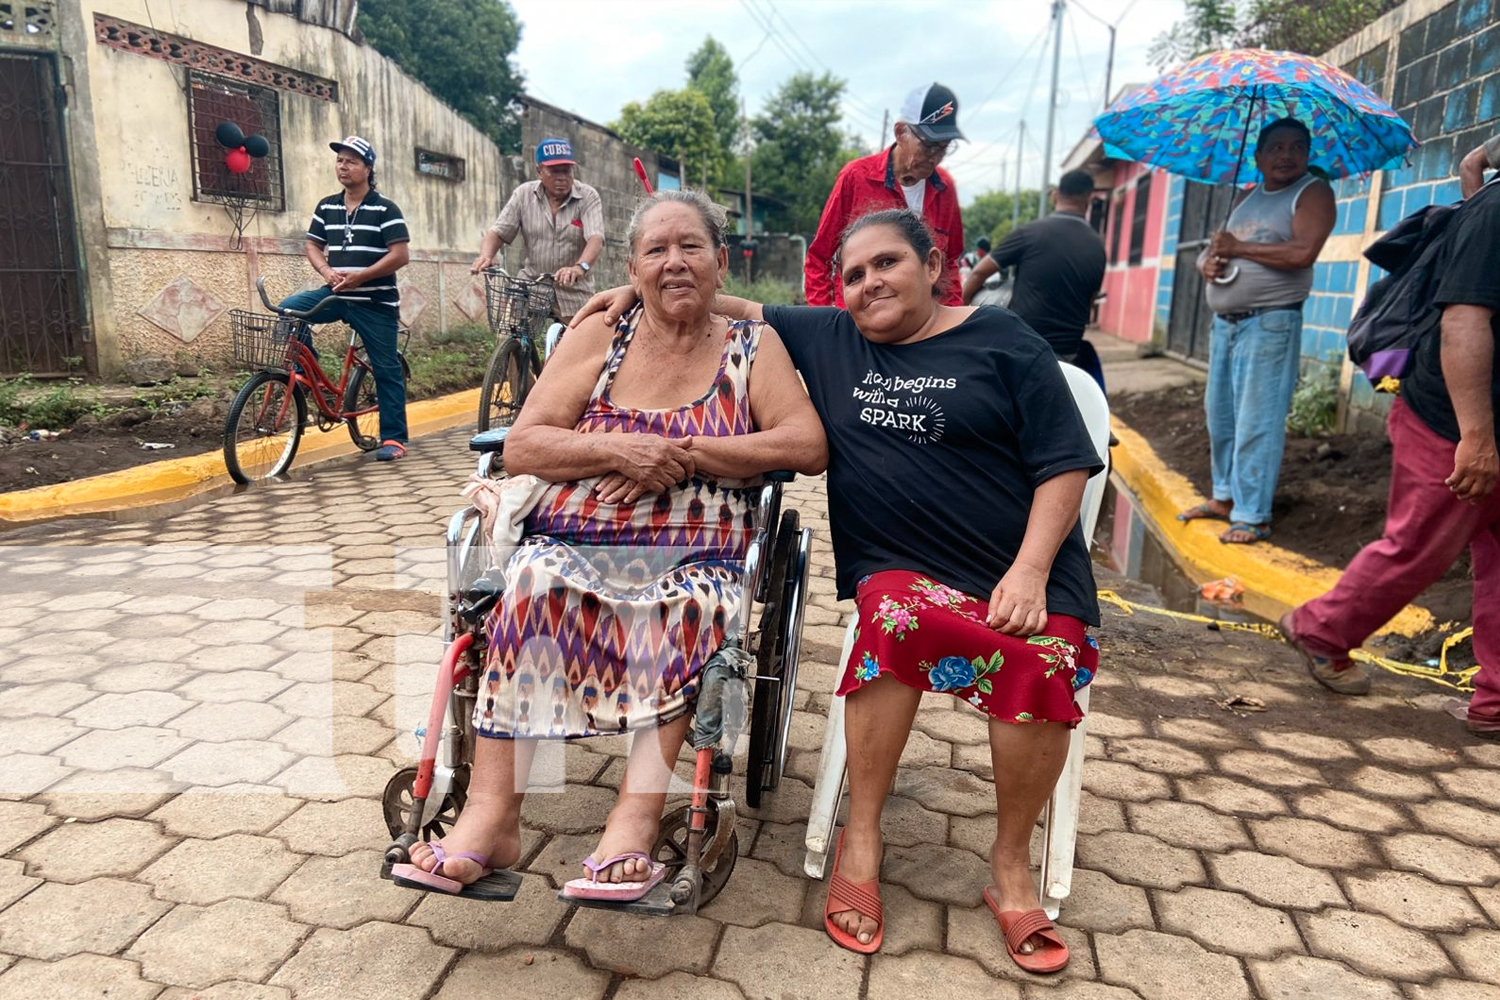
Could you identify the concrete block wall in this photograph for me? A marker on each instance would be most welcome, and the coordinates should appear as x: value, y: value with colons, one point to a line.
x: 1438, y: 64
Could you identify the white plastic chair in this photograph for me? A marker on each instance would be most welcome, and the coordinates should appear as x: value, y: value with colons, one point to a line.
x: 1060, y: 817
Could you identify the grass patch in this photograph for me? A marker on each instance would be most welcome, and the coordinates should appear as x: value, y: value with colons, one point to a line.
x: 766, y: 291
x: 52, y: 408
x: 1315, y: 403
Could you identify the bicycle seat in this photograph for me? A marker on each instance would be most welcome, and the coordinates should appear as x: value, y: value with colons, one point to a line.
x: 780, y: 476
x: 490, y: 440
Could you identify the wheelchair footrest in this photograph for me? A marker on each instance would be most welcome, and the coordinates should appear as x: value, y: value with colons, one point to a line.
x: 656, y: 903
x: 496, y: 887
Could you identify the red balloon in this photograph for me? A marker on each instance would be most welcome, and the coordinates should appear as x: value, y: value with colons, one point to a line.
x: 237, y: 160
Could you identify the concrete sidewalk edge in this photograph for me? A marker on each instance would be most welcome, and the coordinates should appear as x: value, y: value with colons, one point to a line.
x: 177, y: 479
x: 1283, y: 577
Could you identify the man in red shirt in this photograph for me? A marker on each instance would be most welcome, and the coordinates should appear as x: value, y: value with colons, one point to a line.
x: 906, y: 175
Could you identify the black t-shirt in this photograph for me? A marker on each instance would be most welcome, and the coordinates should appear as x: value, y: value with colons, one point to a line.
x: 1059, y: 263
x: 936, y: 449
x: 1470, y: 278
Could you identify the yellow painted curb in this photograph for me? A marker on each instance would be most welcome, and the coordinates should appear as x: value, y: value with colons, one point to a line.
x: 1274, y: 578
x: 180, y: 478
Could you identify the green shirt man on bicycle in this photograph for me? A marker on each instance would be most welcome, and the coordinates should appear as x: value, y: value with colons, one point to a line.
x: 562, y: 220
x: 357, y: 241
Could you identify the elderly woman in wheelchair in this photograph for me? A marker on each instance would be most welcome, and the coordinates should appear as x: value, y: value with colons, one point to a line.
x: 958, y: 460
x: 653, y: 435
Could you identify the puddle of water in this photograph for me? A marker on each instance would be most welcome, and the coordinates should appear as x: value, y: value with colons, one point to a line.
x: 1126, y: 541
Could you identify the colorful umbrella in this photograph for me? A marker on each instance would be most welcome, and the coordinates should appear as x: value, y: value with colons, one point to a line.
x: 1201, y: 120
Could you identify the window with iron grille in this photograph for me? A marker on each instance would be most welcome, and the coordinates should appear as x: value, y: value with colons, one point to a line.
x: 1117, y: 231
x: 257, y: 111
x: 449, y: 168
x: 1138, y: 219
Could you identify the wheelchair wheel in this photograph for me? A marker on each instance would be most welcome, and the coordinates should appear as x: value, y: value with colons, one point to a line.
x: 397, y: 803
x: 776, y: 660
x: 671, y: 850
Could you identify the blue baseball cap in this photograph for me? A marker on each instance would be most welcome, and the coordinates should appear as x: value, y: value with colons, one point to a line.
x: 359, y: 147
x: 554, y: 151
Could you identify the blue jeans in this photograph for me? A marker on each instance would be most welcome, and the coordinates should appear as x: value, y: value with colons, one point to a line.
x: 376, y: 326
x: 1252, y: 370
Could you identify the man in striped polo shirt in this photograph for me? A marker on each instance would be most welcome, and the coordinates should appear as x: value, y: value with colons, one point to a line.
x: 562, y: 220
x: 357, y: 241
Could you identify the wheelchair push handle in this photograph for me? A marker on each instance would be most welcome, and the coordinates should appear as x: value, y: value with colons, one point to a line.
x: 302, y: 314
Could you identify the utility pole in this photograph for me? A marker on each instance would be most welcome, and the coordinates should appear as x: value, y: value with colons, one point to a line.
x: 1015, y: 203
x: 885, y: 125
x: 1057, y: 16
x: 1109, y: 65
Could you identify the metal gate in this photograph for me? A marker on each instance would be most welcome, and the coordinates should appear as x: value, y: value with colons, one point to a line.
x: 39, y: 291
x: 1203, y: 210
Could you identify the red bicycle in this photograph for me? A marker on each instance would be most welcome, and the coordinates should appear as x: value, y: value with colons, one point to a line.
x: 269, y: 413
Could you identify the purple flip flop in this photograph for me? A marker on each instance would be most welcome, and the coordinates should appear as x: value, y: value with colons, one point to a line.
x: 413, y: 877
x: 619, y: 892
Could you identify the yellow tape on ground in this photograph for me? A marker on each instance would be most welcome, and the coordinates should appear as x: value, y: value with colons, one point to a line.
x: 1458, y: 680
x: 1274, y: 576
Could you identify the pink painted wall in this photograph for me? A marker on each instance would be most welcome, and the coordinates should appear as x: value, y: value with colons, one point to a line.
x: 1130, y: 292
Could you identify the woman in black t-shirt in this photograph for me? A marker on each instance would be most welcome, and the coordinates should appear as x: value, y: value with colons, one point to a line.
x: 957, y: 459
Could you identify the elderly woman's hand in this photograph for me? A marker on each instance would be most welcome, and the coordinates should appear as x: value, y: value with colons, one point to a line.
x: 1018, y: 604
x: 615, y: 488
x: 652, y: 462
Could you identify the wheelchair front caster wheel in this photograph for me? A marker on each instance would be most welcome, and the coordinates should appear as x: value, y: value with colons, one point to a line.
x: 671, y: 850
x: 397, y: 803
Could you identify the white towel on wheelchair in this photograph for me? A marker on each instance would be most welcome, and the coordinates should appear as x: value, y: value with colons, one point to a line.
x: 503, y: 505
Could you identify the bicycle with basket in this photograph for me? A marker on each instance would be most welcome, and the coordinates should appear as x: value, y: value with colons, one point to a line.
x: 516, y: 307
x: 269, y: 413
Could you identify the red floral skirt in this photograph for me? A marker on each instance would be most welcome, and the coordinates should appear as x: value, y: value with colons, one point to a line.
x: 934, y: 638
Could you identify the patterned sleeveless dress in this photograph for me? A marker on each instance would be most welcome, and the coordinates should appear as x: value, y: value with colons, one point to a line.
x: 611, y: 610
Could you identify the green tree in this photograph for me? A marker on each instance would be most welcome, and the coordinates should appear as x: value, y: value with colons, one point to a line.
x: 800, y: 149
x: 711, y: 73
x: 990, y: 215
x: 461, y: 50
x: 1293, y: 25
x: 675, y: 123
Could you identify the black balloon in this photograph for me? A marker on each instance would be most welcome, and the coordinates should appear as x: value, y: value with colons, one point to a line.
x: 229, y: 135
x: 256, y: 145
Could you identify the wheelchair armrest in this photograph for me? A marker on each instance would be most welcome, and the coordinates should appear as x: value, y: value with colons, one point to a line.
x: 480, y: 596
x: 780, y: 476
x: 492, y: 440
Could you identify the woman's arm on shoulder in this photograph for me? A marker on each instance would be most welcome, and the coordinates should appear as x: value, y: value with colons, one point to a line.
x: 788, y: 433
x: 545, y: 443
x: 737, y: 308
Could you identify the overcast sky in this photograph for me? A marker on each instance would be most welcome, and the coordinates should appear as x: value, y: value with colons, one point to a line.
x: 593, y: 56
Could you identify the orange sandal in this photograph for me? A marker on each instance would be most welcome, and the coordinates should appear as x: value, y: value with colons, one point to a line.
x: 861, y: 897
x: 1019, y: 925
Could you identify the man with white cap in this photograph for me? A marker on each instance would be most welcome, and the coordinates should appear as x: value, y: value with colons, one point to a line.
x: 562, y: 220
x: 357, y: 241
x: 904, y: 175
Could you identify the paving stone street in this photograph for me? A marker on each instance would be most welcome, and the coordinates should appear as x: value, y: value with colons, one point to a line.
x: 198, y: 715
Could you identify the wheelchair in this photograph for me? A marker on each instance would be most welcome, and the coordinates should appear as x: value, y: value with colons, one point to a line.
x: 697, y: 843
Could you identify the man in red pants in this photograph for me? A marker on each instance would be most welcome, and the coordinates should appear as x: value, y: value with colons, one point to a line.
x: 1444, y: 470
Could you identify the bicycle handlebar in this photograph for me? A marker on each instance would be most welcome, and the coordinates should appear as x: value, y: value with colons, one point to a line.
x: 501, y: 272
x: 304, y: 314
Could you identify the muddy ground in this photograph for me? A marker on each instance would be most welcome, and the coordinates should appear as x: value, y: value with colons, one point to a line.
x: 1330, y: 500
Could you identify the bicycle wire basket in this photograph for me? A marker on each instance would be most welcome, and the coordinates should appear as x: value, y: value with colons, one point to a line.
x: 513, y: 303
x: 260, y: 339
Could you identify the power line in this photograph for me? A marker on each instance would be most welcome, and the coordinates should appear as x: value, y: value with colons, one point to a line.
x: 763, y: 22
x: 1006, y: 78
x: 1082, y: 67
x: 797, y: 37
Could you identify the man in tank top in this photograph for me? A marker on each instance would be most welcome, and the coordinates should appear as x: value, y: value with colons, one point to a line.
x: 1259, y: 271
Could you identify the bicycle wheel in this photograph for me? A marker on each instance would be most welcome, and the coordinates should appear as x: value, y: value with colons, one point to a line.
x: 506, y: 383
x: 264, y: 427
x: 360, y: 397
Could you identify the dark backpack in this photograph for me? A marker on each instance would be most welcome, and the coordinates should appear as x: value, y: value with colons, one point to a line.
x: 1398, y: 311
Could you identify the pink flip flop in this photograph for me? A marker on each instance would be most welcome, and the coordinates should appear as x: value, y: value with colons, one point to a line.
x: 413, y: 877
x: 620, y: 892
